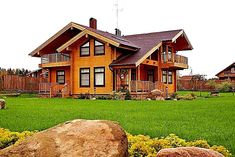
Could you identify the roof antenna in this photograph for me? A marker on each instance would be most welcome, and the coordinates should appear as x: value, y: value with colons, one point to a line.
x: 117, y: 12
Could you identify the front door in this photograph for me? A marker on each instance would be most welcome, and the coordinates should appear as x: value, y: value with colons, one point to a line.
x: 150, y: 75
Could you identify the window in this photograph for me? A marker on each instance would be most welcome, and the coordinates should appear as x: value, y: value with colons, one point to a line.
x: 99, y: 77
x: 84, y: 77
x: 233, y: 70
x: 164, y: 54
x: 150, y: 75
x: 85, y: 49
x: 164, y: 76
x: 60, y: 76
x: 170, y: 78
x: 133, y: 74
x: 99, y: 48
x: 169, y: 53
x: 167, y: 76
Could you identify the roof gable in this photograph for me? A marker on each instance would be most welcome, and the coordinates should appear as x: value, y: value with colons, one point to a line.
x: 227, y: 68
x: 148, y: 43
x: 82, y: 30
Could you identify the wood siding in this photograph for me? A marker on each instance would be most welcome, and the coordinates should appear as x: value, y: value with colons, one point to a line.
x: 91, y: 62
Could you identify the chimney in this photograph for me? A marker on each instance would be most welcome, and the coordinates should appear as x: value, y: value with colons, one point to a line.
x: 93, y: 23
x: 118, y: 32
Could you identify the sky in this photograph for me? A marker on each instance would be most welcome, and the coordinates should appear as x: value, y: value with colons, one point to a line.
x: 209, y: 25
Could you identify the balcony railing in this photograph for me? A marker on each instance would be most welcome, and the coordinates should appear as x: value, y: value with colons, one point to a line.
x: 174, y: 58
x: 54, y: 58
x: 229, y: 73
x: 181, y: 59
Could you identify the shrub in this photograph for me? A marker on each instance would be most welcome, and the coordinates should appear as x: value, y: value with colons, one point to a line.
x: 117, y: 96
x: 141, y: 146
x: 8, y: 138
x: 199, y: 143
x: 128, y: 95
x: 190, y: 96
x: 225, y: 87
x: 222, y: 150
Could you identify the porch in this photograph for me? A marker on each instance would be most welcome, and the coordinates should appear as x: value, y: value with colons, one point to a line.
x: 140, y: 81
x: 54, y: 90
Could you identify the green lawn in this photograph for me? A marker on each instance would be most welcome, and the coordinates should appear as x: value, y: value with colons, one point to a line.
x: 212, y: 119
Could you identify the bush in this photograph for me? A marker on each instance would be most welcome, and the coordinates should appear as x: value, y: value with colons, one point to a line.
x: 225, y: 87
x: 8, y: 138
x: 128, y: 95
x: 190, y: 96
x: 117, y: 96
x: 221, y: 150
x: 140, y: 145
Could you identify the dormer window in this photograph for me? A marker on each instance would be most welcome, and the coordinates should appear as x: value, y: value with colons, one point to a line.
x: 99, y: 48
x: 85, y: 49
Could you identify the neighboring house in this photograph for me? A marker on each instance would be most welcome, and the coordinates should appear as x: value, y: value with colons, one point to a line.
x: 228, y: 73
x: 87, y: 60
x: 36, y: 73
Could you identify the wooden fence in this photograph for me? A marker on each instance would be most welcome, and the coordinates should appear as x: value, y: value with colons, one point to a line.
x: 15, y: 83
x: 197, y: 85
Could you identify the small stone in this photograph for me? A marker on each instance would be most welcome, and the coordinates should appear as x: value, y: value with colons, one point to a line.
x: 188, y: 152
x: 94, y: 98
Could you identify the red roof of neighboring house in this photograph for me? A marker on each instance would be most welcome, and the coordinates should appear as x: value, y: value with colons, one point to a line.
x: 186, y: 77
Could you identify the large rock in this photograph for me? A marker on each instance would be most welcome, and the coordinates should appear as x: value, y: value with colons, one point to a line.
x: 188, y: 152
x: 85, y: 138
x: 2, y: 104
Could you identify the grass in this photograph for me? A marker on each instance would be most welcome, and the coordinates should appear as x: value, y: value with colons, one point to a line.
x: 212, y: 119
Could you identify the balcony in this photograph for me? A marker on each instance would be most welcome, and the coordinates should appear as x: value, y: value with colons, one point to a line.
x: 54, y: 60
x: 229, y: 73
x: 174, y: 61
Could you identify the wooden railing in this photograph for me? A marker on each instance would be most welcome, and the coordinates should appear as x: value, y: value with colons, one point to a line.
x: 54, y: 89
x: 229, y: 73
x: 180, y: 59
x: 174, y: 58
x: 65, y: 90
x: 146, y: 86
x: 54, y: 58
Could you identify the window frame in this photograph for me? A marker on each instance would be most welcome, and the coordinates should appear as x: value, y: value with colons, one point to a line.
x: 82, y: 46
x: 168, y: 76
x: 57, y: 71
x: 80, y: 79
x: 99, y: 73
x: 95, y: 54
x: 164, y: 75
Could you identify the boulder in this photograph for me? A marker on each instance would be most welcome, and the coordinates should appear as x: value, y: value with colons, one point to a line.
x: 2, y: 104
x: 188, y: 152
x: 86, y: 138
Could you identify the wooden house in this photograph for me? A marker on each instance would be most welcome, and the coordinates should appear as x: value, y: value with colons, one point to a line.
x: 228, y: 73
x: 81, y: 59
